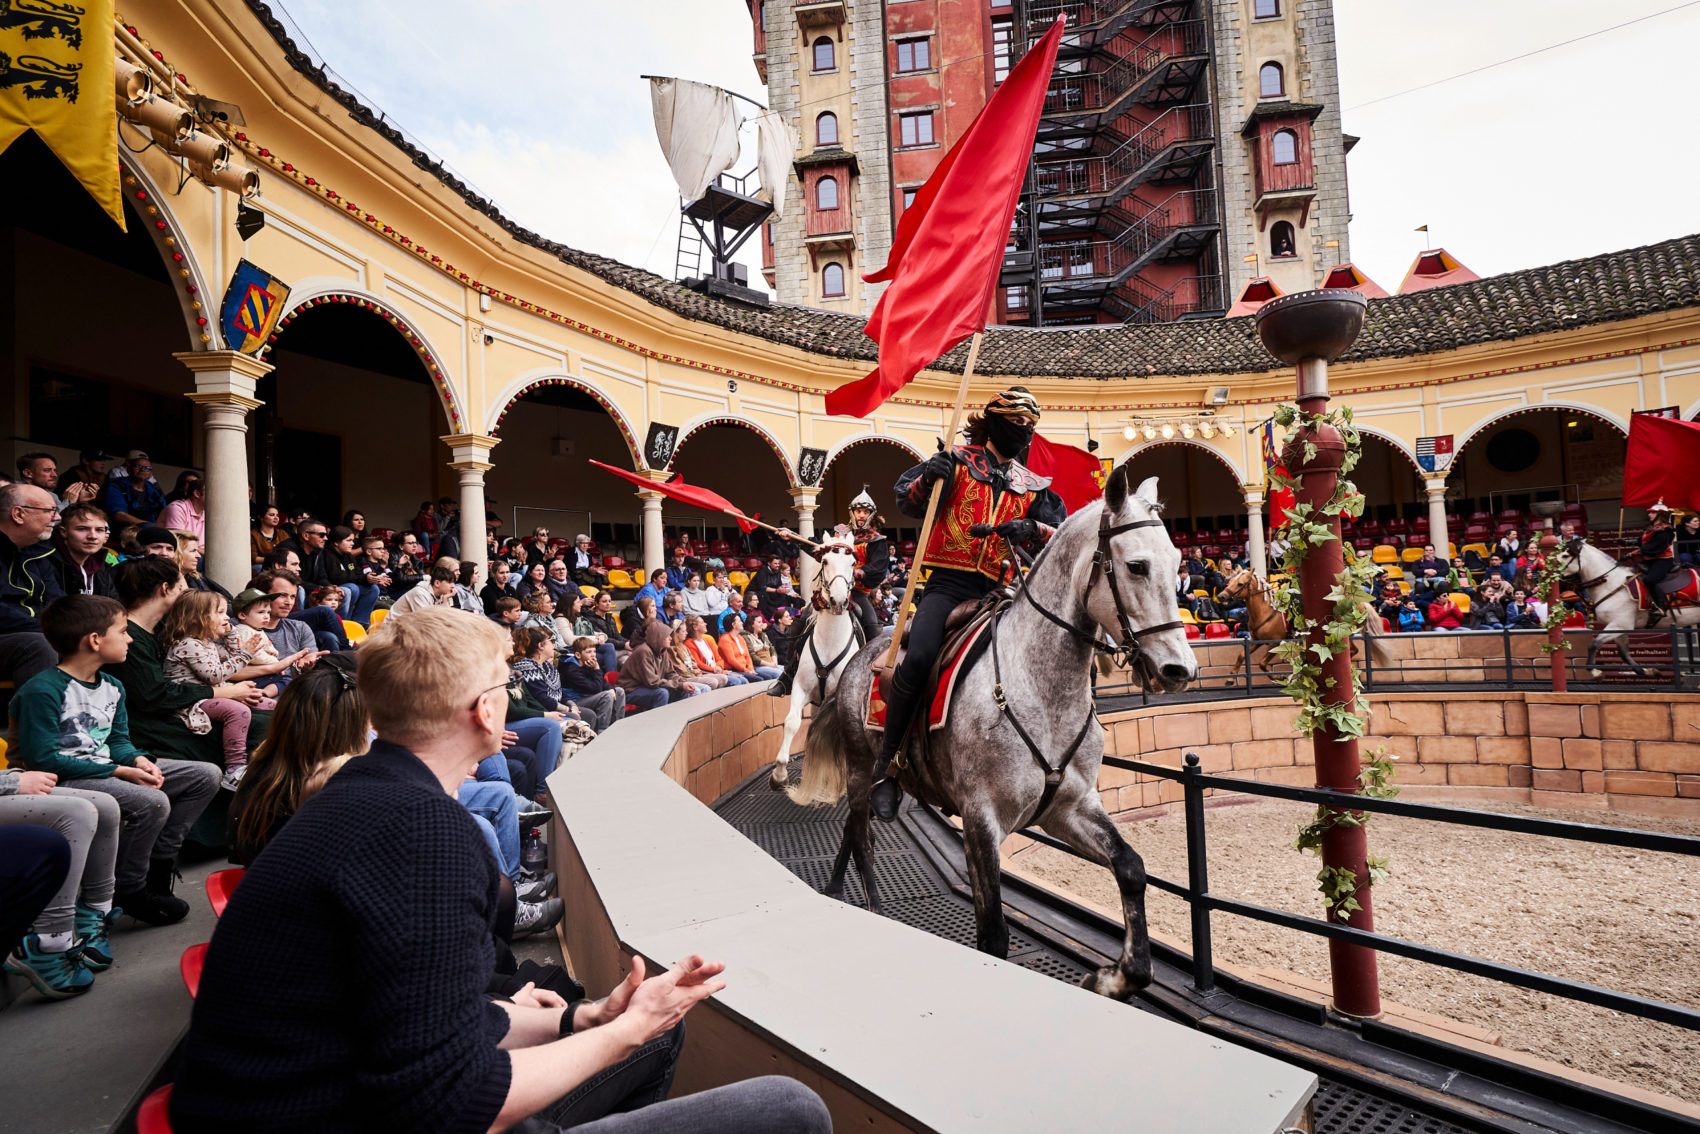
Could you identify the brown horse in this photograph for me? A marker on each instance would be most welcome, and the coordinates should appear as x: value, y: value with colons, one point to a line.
x: 1267, y: 625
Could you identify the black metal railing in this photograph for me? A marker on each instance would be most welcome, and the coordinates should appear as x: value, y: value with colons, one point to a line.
x: 1488, y: 660
x: 1202, y: 902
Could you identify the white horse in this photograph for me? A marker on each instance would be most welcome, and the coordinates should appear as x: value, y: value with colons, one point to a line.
x: 1604, y: 582
x: 828, y: 640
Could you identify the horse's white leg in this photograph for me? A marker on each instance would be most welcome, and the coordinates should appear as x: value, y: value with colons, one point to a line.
x: 793, y: 721
x: 1087, y: 827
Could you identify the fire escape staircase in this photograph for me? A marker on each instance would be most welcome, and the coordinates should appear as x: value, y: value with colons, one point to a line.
x: 1075, y: 188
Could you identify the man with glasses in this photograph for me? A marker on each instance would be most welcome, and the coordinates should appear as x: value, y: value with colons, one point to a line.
x: 134, y: 498
x: 84, y: 565
x: 28, y: 581
x: 309, y: 543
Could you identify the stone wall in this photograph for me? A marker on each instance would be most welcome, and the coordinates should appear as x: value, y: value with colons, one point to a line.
x: 718, y: 751
x: 1596, y: 751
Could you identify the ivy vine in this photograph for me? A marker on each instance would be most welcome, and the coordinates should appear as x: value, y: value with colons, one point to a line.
x: 1552, y: 571
x: 1304, y: 528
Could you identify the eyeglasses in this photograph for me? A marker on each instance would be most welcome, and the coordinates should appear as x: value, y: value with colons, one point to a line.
x: 512, y: 683
x: 37, y: 507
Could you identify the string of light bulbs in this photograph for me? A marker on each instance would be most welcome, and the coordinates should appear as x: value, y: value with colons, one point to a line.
x: 1205, y: 427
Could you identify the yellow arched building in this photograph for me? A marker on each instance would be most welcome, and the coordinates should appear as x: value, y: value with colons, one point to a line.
x: 421, y: 324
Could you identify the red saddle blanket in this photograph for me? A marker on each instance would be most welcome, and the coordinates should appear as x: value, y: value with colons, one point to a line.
x: 1680, y: 588
x: 949, y: 669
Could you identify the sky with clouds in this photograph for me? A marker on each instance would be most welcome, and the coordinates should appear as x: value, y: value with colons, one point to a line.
x: 1570, y: 152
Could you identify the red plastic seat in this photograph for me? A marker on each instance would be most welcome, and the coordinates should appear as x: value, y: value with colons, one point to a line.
x: 720, y: 549
x: 906, y: 548
x: 193, y: 961
x: 220, y: 885
x: 1213, y: 551
x: 1363, y: 543
x: 613, y: 561
x: 752, y: 564
x: 1481, y: 517
x: 1182, y: 539
x: 1242, y: 535
x: 1224, y: 535
x: 613, y: 678
x: 1419, y: 526
x: 154, y: 1117
x: 1576, y: 620
x: 1216, y: 630
x: 385, y: 534
x: 1191, y: 629
x: 1371, y: 528
x: 1398, y: 526
x: 1386, y: 626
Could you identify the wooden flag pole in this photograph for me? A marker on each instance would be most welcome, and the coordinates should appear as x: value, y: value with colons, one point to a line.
x: 932, y: 506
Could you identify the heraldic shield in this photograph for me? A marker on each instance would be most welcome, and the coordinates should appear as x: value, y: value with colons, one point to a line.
x: 251, y: 308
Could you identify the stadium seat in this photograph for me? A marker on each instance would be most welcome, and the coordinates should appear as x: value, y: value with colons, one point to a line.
x: 1363, y: 543
x: 1217, y: 630
x: 1188, y: 617
x: 905, y: 549
x: 1181, y: 539
x: 1395, y: 572
x: 1411, y: 554
x: 557, y: 547
x: 1419, y: 526
x: 1463, y: 602
x: 1476, y: 533
x: 1481, y: 517
x: 619, y: 578
x: 1242, y: 535
x: 220, y: 885
x: 385, y: 534
x: 355, y: 631
x: 154, y: 1117
x: 193, y: 960
x: 379, y: 615
x: 1510, y: 516
x: 1213, y: 551
x: 1398, y: 526
x: 1386, y: 626
x: 720, y: 548
x: 1384, y: 553
x: 590, y: 591
x: 613, y: 678
x: 1191, y: 630
x: 1371, y: 528
x: 613, y: 561
x: 639, y: 576
x: 1576, y: 620
x: 740, y: 579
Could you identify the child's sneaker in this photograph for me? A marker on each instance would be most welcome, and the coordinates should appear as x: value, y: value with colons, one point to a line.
x: 57, y: 976
x: 233, y: 778
x: 91, y: 936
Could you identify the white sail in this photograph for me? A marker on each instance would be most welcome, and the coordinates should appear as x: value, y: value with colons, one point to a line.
x: 697, y: 127
x: 776, y: 146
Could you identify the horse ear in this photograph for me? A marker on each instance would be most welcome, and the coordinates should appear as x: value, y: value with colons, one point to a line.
x: 1115, y: 489
x: 1147, y: 491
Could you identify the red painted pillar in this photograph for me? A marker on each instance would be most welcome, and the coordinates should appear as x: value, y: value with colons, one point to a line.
x: 1353, y: 967
x: 1555, y: 600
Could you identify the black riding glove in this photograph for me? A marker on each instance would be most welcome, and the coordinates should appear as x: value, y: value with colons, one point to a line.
x: 939, y: 466
x: 1018, y: 531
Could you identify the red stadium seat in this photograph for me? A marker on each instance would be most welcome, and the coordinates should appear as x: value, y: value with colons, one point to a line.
x: 720, y: 548
x: 1481, y: 517
x: 752, y: 564
x: 1363, y: 543
x: 1181, y: 539
x: 1510, y: 516
x: 1213, y: 551
x: 1191, y: 629
x: 1576, y: 620
x: 1216, y: 630
x: 613, y: 678
x: 1242, y: 535
x: 220, y: 885
x: 154, y: 1117
x: 612, y: 561
x: 1386, y: 626
x: 385, y: 534
x: 194, y: 959
x: 1224, y: 535
x: 906, y: 549
x: 1371, y: 528
x: 1419, y: 526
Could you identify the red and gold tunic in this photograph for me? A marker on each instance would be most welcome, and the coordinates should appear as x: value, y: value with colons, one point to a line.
x: 973, y: 498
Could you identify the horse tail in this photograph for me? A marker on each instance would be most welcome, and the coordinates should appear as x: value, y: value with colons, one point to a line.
x: 825, y: 768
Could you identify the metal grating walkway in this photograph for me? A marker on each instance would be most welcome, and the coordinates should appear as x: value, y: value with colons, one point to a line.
x: 805, y: 840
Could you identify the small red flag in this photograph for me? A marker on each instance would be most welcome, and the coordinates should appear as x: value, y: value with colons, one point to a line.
x: 949, y: 246
x: 1072, y: 471
x: 686, y: 493
x: 1663, y: 462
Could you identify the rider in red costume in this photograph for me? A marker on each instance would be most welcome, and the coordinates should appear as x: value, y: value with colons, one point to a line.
x: 986, y: 487
x: 1658, y: 558
x: 873, y: 563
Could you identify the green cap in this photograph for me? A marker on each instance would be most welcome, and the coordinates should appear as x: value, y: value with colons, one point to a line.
x: 248, y: 598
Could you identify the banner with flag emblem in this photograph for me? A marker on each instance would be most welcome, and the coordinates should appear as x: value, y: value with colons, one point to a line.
x: 252, y: 304
x: 56, y: 78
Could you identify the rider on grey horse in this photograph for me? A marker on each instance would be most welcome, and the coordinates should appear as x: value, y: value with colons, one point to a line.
x: 873, y: 563
x: 987, y: 490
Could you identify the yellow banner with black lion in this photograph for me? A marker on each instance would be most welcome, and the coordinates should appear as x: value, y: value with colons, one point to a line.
x: 56, y: 78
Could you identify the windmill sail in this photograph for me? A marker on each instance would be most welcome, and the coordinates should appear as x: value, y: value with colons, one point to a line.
x: 697, y: 126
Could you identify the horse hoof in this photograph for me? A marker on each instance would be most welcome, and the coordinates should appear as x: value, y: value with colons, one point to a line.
x: 1110, y: 981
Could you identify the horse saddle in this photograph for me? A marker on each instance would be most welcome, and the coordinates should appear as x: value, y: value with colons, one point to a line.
x: 963, y: 629
x: 1679, y: 588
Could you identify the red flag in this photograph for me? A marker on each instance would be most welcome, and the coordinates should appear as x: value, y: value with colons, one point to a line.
x: 1072, y: 471
x: 949, y: 247
x: 686, y: 493
x: 1663, y: 461
x: 1280, y: 497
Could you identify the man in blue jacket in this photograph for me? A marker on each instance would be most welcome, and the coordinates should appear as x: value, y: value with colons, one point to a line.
x: 28, y: 580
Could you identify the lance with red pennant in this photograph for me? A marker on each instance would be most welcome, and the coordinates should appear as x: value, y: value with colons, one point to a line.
x: 699, y: 497
x: 946, y: 256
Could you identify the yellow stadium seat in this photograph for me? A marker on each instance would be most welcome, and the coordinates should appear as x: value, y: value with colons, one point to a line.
x: 1480, y: 549
x: 638, y: 576
x: 3, y: 764
x: 1187, y: 616
x: 1395, y: 572
x: 1404, y: 587
x: 379, y: 615
x: 740, y: 579
x: 1412, y: 554
x: 590, y: 591
x: 355, y: 631
x: 1462, y: 601
x: 617, y: 577
x: 1451, y: 550
x: 1385, y: 553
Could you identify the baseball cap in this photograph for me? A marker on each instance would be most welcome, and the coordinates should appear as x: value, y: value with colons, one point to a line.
x: 248, y: 598
x: 137, y: 455
x: 150, y: 534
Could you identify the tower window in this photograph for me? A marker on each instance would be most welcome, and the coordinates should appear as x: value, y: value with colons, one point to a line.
x: 826, y: 193
x: 1263, y: 9
x: 832, y: 281
x: 908, y: 199
x: 1270, y: 82
x: 914, y: 55
x: 826, y: 129
x: 825, y: 58
x: 1284, y: 147
x: 915, y: 129
x: 1281, y: 242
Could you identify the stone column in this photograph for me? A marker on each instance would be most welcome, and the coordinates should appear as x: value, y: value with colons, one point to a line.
x: 1436, y: 489
x: 804, y: 501
x: 224, y: 387
x: 1254, y: 548
x: 470, y: 454
x: 654, y: 554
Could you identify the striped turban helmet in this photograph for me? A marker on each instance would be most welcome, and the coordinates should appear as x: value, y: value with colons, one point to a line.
x: 1016, y: 403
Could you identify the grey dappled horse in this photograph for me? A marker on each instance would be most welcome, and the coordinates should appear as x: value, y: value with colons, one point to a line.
x: 984, y: 763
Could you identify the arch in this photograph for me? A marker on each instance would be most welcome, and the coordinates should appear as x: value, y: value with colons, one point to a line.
x: 832, y: 281
x: 826, y: 193
x: 703, y: 421
x: 1284, y: 148
x: 1271, y: 80
x: 1159, y: 442
x: 199, y: 302
x: 849, y: 443
x: 1397, y: 444
x: 554, y: 376
x: 1283, y: 242
x: 1495, y: 418
x: 824, y: 54
x: 319, y: 290
x: 826, y: 128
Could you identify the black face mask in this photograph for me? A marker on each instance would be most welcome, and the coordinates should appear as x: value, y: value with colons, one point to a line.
x: 1009, y: 438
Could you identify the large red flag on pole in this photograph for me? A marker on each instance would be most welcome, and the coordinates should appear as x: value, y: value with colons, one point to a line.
x: 949, y: 247
x: 1663, y: 462
x: 1073, y: 471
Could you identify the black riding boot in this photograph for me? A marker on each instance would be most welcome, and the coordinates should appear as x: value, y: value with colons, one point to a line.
x: 1656, y: 610
x: 899, y: 712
